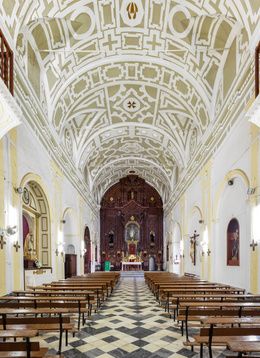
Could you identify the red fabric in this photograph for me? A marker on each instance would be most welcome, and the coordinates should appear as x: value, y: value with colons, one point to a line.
x: 25, y: 228
x: 132, y: 249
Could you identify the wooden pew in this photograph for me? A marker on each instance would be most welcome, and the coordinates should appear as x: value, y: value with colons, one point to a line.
x: 197, y: 311
x: 25, y: 349
x: 89, y: 296
x: 75, y: 304
x: 53, y: 321
x: 100, y: 290
x: 177, y: 298
x: 243, y: 348
x: 220, y: 336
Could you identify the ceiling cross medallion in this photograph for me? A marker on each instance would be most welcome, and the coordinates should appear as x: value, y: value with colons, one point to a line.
x: 2, y: 242
x: 16, y: 246
x: 131, y: 104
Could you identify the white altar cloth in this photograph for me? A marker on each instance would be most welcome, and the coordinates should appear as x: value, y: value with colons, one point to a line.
x: 128, y: 265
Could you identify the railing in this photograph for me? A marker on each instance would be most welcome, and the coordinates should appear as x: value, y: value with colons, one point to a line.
x: 257, y: 73
x: 6, y: 64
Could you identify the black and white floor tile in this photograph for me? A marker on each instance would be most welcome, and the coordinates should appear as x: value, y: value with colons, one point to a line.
x: 130, y: 324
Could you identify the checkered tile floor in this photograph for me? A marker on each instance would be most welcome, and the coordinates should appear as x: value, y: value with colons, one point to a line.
x: 130, y: 324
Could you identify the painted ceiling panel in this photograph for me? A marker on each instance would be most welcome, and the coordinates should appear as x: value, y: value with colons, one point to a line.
x: 131, y: 84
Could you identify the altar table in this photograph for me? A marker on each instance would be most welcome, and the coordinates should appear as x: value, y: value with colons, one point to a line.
x: 126, y: 266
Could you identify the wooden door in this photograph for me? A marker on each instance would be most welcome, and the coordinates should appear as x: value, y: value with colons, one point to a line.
x: 70, y: 265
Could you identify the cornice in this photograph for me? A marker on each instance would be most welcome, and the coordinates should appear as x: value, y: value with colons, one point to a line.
x: 11, y: 115
x: 253, y: 114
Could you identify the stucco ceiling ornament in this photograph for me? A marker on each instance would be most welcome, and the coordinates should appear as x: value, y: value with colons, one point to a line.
x: 82, y: 58
x: 132, y: 12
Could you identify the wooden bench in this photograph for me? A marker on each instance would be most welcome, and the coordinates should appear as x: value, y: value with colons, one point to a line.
x: 174, y: 300
x: 74, y: 304
x: 25, y: 349
x: 89, y: 295
x: 244, y: 348
x: 28, y: 319
x: 220, y: 336
x: 197, y: 311
x: 99, y: 290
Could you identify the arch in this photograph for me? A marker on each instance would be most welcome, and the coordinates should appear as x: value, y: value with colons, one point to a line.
x: 36, y: 224
x: 70, y: 249
x: 38, y: 179
x: 232, y: 203
x: 222, y: 185
x: 69, y: 226
x: 87, y: 251
x: 68, y: 211
x: 196, y: 209
x: 132, y: 204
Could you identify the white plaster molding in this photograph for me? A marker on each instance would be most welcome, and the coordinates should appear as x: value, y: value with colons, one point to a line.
x: 253, y: 114
x: 10, y: 113
x: 231, y: 113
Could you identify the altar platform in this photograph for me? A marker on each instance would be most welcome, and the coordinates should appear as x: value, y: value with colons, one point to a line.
x: 131, y: 266
x: 132, y: 274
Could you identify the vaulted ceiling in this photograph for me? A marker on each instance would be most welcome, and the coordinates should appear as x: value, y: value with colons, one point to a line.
x: 131, y: 86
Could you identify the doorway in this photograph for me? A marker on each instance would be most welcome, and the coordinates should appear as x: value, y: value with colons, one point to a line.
x: 70, y: 265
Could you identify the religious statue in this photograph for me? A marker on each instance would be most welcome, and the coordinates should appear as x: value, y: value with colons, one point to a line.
x: 235, y: 245
x: 29, y: 251
x: 193, y: 244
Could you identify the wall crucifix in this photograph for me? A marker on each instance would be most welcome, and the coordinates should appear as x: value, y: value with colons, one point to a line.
x: 16, y: 246
x: 2, y: 242
x: 193, y: 245
x: 253, y: 245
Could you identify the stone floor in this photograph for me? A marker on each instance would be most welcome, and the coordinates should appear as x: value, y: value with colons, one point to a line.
x: 130, y: 324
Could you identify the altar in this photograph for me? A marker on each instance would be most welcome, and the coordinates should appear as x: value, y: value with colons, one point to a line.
x: 128, y: 266
x: 37, y: 276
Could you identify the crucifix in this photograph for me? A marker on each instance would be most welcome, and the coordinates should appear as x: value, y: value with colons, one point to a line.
x: 17, y: 246
x: 253, y: 245
x: 193, y: 246
x: 57, y: 252
x: 208, y: 252
x: 2, y: 242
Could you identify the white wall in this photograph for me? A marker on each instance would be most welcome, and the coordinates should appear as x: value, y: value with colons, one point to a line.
x: 233, y: 204
x: 34, y: 161
x: 233, y: 158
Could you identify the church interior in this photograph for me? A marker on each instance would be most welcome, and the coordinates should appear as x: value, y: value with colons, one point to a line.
x: 129, y: 178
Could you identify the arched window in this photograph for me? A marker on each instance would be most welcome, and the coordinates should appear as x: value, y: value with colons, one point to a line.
x: 233, y: 243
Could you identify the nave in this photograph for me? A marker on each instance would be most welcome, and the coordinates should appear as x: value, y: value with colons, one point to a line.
x: 130, y: 314
x: 129, y: 324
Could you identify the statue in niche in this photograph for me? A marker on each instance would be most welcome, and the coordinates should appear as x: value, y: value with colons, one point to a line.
x: 152, y: 238
x: 29, y: 251
x: 111, y: 238
x: 233, y: 243
x: 132, y: 232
